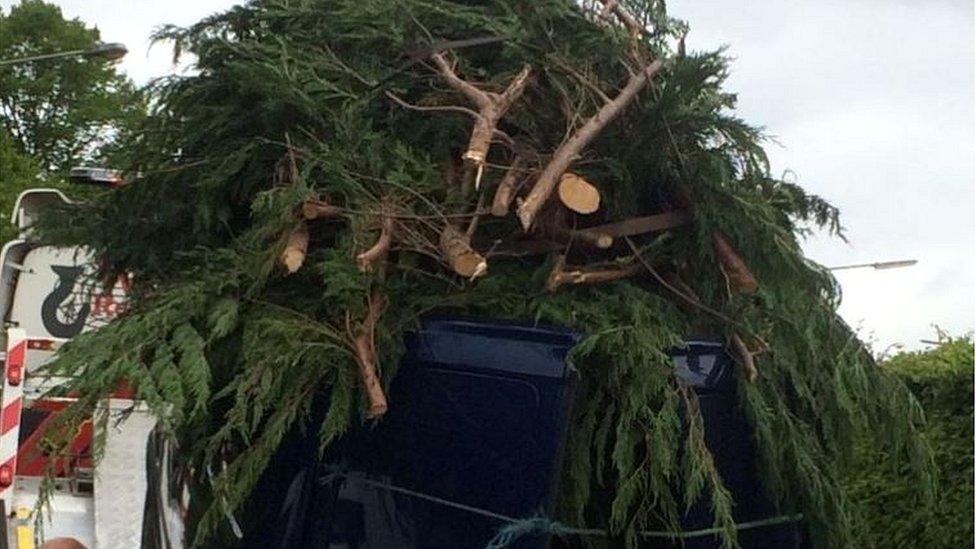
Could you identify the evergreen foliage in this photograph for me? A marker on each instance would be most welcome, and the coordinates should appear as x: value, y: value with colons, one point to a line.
x: 292, y: 102
x: 893, y: 511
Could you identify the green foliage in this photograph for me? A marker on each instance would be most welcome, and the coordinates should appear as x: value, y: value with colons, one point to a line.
x: 291, y: 101
x: 18, y: 172
x: 59, y: 111
x: 893, y: 511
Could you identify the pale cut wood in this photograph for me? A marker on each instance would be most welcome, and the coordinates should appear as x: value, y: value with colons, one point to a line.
x: 568, y: 151
x: 507, y: 188
x: 578, y: 194
x: 456, y: 249
x: 560, y: 276
x: 364, y: 347
x: 491, y: 107
x: 378, y: 251
x: 740, y: 277
x: 747, y: 358
x: 293, y: 256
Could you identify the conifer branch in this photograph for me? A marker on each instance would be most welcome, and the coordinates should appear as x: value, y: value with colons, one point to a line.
x: 568, y: 151
x: 491, y: 107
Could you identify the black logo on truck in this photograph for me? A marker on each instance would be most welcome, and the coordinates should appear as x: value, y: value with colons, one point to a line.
x: 52, y: 309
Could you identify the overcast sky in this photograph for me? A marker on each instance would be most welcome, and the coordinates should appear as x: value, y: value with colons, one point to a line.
x: 871, y: 102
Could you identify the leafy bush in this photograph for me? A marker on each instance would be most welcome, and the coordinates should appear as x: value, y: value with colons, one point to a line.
x: 893, y: 511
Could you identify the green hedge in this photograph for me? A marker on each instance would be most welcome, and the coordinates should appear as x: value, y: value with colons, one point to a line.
x: 893, y: 512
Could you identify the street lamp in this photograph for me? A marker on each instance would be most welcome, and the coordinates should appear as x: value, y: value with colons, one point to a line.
x: 111, y: 51
x: 882, y: 265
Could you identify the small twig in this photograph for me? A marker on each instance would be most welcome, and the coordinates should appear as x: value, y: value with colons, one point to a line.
x: 689, y: 299
x: 432, y: 108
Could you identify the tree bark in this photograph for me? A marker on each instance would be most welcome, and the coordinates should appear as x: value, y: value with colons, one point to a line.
x: 378, y: 251
x: 568, y: 151
x: 456, y: 249
x: 364, y: 346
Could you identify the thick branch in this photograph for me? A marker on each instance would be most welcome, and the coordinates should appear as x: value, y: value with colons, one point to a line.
x: 507, y: 188
x: 559, y: 276
x: 380, y: 249
x: 601, y: 236
x: 735, y: 268
x: 491, y: 107
x: 745, y: 355
x: 364, y: 346
x: 569, y: 150
x: 456, y: 249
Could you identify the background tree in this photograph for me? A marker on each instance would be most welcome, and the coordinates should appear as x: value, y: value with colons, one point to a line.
x: 17, y: 172
x: 892, y: 512
x: 59, y: 111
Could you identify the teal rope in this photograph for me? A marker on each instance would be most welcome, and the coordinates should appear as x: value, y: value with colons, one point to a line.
x: 518, y: 528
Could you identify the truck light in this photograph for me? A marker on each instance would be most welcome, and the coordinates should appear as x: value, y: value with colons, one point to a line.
x: 40, y: 344
x: 14, y: 374
x: 6, y: 476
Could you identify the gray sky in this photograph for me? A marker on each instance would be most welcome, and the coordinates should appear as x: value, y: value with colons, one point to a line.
x: 871, y: 102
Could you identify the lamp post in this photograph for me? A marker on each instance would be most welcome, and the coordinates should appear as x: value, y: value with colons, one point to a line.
x: 879, y: 266
x: 111, y: 51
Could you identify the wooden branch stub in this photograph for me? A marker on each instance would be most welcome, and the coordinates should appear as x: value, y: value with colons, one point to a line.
x: 746, y: 356
x: 364, y: 347
x: 568, y: 151
x: 319, y: 209
x: 293, y: 256
x: 641, y: 225
x: 560, y: 276
x: 507, y: 188
x: 491, y: 107
x: 578, y: 194
x: 629, y: 21
x: 732, y: 264
x: 601, y: 236
x: 456, y: 249
x: 378, y: 251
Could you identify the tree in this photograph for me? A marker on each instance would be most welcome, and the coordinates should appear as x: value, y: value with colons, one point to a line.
x: 17, y: 173
x: 59, y: 111
x: 894, y: 513
x: 324, y: 178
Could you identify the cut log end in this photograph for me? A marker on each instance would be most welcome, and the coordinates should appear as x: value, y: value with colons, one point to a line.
x: 457, y: 251
x: 293, y: 256
x: 578, y: 194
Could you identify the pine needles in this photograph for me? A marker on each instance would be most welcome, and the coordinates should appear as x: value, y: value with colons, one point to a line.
x: 309, y: 102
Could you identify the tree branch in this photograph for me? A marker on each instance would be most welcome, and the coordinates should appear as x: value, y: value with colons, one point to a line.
x: 568, y: 151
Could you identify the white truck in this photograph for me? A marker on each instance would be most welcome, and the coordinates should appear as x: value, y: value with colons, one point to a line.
x: 43, y: 303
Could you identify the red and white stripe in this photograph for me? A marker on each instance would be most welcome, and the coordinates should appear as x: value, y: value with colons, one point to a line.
x: 10, y: 410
